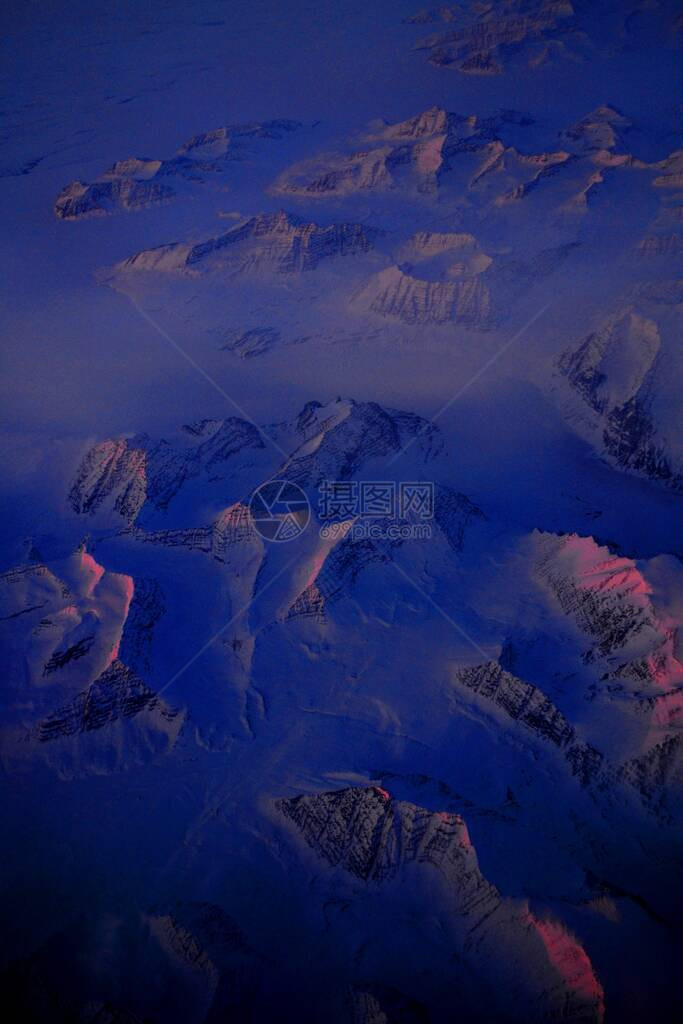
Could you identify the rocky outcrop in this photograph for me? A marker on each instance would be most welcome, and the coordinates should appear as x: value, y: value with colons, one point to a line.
x: 604, y: 593
x: 661, y: 245
x: 433, y: 149
x: 670, y: 173
x: 204, y: 944
x: 58, y: 659
x: 397, y: 294
x: 619, y: 380
x: 520, y: 701
x: 409, y: 153
x: 454, y: 513
x: 80, y: 199
x: 232, y: 137
x: 344, y: 564
x: 530, y: 707
x: 586, y: 999
x: 630, y: 439
x: 121, y: 476
x: 345, y: 435
x: 374, y: 839
x: 117, y: 694
x: 336, y: 173
x: 134, y: 183
x: 608, y: 598
x: 457, y: 252
x: 180, y: 945
x: 371, y: 836
x: 602, y: 129
x: 658, y: 776
x: 232, y: 529
x: 251, y: 342
x: 116, y: 723
x: 270, y: 242
x: 145, y: 610
x: 310, y: 604
x: 449, y: 279
x: 598, y: 594
x: 612, y: 364
x: 483, y: 41
x: 113, y: 469
x: 65, y: 621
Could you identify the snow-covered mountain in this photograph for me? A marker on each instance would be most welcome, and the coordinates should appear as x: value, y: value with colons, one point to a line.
x: 625, y: 376
x: 341, y: 596
x: 488, y: 39
x: 134, y: 183
x: 601, y: 723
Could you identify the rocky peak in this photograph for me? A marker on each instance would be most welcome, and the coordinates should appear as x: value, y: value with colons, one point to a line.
x: 269, y: 242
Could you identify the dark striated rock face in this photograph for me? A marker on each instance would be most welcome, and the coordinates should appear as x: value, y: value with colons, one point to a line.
x: 291, y: 244
x: 602, y: 594
x: 371, y: 836
x: 133, y: 184
x: 82, y: 200
x: 61, y: 658
x: 477, y: 39
x: 252, y: 342
x: 658, y: 776
x: 117, y: 694
x: 219, y: 140
x: 194, y: 957
x: 362, y: 432
x: 519, y: 700
x: 601, y: 129
x: 581, y: 367
x: 345, y: 563
x: 454, y: 513
x: 586, y: 762
x: 420, y: 155
x: 203, y: 943
x: 126, y: 474
x: 310, y: 604
x: 630, y: 439
x: 268, y: 243
x: 353, y: 434
x: 612, y: 364
x: 111, y: 468
x: 447, y: 278
x: 616, y: 371
x: 146, y: 609
x: 524, y: 703
x: 402, y: 296
x: 609, y: 599
x: 232, y: 529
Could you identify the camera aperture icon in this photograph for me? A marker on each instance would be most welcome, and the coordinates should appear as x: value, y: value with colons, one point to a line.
x: 279, y: 510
